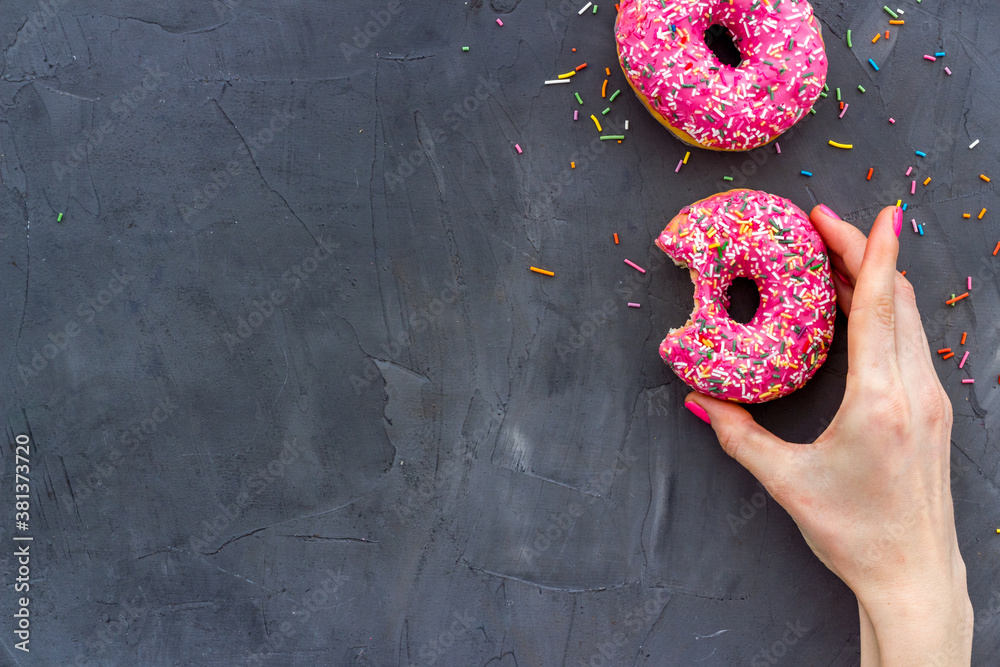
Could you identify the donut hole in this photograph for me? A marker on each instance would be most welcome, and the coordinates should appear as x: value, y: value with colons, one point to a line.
x: 721, y: 42
x: 744, y: 300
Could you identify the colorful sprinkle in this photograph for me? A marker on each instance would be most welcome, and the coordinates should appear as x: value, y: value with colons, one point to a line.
x: 839, y: 145
x: 920, y: 153
x: 542, y: 271
x: 849, y: 45
x: 552, y: 82
x: 635, y: 266
x: 890, y: 12
x: 585, y: 8
x: 632, y: 305
x: 982, y: 213
x: 965, y: 335
x: 872, y: 63
x: 871, y: 170
x: 465, y: 48
x: 931, y: 58
x: 984, y: 177
x: 608, y: 137
x: 968, y: 381
x: 973, y: 144
x: 806, y: 173
x: 59, y: 219
x: 955, y: 299
x: 614, y: 95
x: 616, y: 239
x: 947, y: 71
x: 964, y: 357
x: 578, y: 98
x: 499, y: 22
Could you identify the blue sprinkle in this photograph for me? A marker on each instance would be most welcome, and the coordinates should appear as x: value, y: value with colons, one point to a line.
x: 905, y: 205
x: 920, y: 153
x: 872, y: 63
x: 806, y: 173
x: 921, y: 228
x: 939, y: 54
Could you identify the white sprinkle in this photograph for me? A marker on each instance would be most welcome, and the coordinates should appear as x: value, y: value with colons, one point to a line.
x: 626, y: 125
x: 555, y: 81
x: 585, y: 8
x: 973, y: 144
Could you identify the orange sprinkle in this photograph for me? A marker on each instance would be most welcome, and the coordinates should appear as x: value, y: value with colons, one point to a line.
x: 607, y: 70
x: 896, y: 22
x: 966, y: 215
x: 604, y: 89
x: 887, y: 34
x: 964, y: 334
x: 616, y: 239
x: 927, y: 181
x: 984, y: 177
x: 997, y: 249
x: 982, y: 213
x: 870, y: 172
x: 572, y: 165
x: 542, y: 271
x: 948, y: 356
x: 943, y: 350
x: 904, y: 272
x: 957, y: 298
x: 877, y: 37
x: 841, y: 106
x: 580, y: 67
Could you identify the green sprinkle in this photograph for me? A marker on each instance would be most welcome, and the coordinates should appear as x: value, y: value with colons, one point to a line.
x: 861, y: 88
x: 727, y: 178
x: 826, y: 87
x: 465, y: 48
x: 890, y: 12
x: 822, y: 95
x: 605, y: 112
x: 838, y: 94
x: 578, y: 98
x: 612, y: 136
x: 614, y: 95
x: 595, y: 9
x: 59, y: 219
x: 812, y: 111
x: 849, y: 45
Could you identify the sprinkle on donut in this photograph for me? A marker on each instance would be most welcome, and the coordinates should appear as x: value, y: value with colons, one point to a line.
x: 763, y: 237
x: 705, y: 102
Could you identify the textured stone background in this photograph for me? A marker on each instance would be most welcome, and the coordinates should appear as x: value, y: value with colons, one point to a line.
x: 317, y: 411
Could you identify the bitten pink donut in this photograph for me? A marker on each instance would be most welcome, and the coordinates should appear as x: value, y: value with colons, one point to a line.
x: 755, y: 235
x: 704, y: 102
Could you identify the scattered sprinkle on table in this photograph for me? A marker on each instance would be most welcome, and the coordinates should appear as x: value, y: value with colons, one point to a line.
x: 626, y: 125
x: 576, y: 114
x: 680, y: 163
x: 997, y: 249
x: 845, y: 110
x: 777, y: 147
x: 596, y: 122
x: 608, y: 137
x: 59, y: 219
x: 964, y: 357
x: 877, y: 37
x: 968, y: 215
x: 518, y: 147
x: 499, y: 22
x: 686, y: 156
x: 606, y: 111
x: 572, y: 165
x: 909, y: 171
x: 541, y: 271
x: 968, y: 381
x: 915, y: 229
x: 964, y: 336
x: 871, y: 170
x: 984, y: 177
x: 982, y: 213
x: 578, y: 98
x: 580, y: 67
x: 727, y: 178
x: 465, y: 48
x: 973, y: 144
x: 584, y: 8
x: 931, y: 58
x: 635, y: 266
x: 947, y: 71
x: 943, y: 350
x: 632, y: 305
x: 892, y: 121
x: 872, y: 63
x: 920, y: 153
x: 849, y: 45
x: 927, y: 180
x: 890, y: 12
x: 614, y: 95
x: 616, y: 239
x: 948, y: 356
x: 805, y: 173
x: 939, y: 54
x: 954, y: 299
x: 861, y: 88
x: 896, y: 22
x: 839, y: 145
x: 567, y: 74
x: 552, y: 82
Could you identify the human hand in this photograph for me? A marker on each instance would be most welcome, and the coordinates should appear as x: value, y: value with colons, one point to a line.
x: 872, y: 494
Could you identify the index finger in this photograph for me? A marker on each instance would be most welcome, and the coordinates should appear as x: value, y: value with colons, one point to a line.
x: 871, y: 325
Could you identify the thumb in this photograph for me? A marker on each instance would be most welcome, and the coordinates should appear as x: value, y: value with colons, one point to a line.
x: 766, y: 456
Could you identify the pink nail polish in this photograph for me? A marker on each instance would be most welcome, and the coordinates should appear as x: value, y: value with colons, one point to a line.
x: 829, y: 211
x: 842, y: 278
x: 698, y: 411
x: 897, y: 220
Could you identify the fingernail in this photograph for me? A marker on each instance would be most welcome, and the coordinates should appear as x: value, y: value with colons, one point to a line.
x: 897, y: 220
x: 841, y: 276
x: 829, y: 211
x: 698, y: 411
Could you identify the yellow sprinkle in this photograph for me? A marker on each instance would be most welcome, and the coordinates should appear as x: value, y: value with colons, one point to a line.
x: 984, y: 177
x: 982, y: 213
x: 714, y: 245
x: 836, y: 145
x: 966, y: 215
x: 928, y: 180
x: 596, y: 122
x: 542, y: 271
x: 572, y: 165
x: 567, y: 75
x: 899, y: 202
x: 688, y: 154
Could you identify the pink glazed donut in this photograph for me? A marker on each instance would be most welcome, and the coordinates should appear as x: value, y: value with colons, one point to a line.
x: 704, y: 102
x: 768, y: 239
